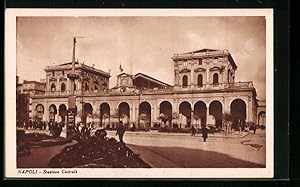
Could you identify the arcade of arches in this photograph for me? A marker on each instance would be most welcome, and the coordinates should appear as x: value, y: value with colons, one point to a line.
x: 184, y: 114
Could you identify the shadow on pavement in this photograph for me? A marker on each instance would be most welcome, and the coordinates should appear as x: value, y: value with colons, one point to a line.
x: 166, y: 157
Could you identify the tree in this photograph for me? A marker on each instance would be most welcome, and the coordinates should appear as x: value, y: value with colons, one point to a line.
x: 227, y: 122
x: 163, y: 117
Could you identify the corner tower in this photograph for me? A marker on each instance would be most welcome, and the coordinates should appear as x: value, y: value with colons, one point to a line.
x: 205, y: 68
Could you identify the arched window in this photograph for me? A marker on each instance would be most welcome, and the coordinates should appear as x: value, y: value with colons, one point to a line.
x: 86, y: 87
x: 63, y: 87
x: 200, y: 80
x: 104, y: 86
x: 53, y: 87
x: 184, y: 81
x: 215, y: 78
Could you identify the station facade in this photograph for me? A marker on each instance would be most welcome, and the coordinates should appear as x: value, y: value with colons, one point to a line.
x: 204, y: 88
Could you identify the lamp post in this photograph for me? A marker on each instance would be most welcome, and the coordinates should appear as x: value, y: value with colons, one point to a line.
x: 72, y: 97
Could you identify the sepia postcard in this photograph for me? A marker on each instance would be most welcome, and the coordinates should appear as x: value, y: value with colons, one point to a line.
x: 139, y: 93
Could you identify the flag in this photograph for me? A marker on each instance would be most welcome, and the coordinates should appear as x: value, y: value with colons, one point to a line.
x: 121, y: 69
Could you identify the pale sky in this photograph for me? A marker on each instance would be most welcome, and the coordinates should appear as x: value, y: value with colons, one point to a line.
x: 140, y: 44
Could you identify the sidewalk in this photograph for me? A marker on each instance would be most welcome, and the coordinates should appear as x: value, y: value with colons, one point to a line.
x: 156, y: 133
x: 40, y: 157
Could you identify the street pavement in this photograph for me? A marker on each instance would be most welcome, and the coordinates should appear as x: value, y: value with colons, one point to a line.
x: 163, y: 150
x: 40, y: 157
x: 173, y: 150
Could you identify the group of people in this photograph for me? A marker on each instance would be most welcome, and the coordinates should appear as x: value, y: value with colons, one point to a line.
x: 32, y: 124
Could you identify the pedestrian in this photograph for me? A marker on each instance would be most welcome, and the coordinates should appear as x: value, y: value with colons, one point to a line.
x: 204, y: 131
x: 121, y: 131
x: 193, y: 130
x: 133, y: 127
x: 254, y: 129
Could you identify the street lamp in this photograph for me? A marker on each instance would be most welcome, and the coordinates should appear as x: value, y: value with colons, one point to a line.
x: 72, y: 97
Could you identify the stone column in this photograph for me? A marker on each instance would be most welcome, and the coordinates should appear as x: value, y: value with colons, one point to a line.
x: 131, y: 114
x: 207, y: 77
x: 111, y: 112
x: 135, y: 113
x: 152, y: 116
x: 46, y: 113
x: 68, y: 85
x: 249, y: 110
x: 177, y: 78
x: 97, y: 119
x: 226, y: 105
x: 192, y: 77
x: 192, y: 117
x: 207, y: 114
x: 57, y: 84
x: 155, y: 112
x: 47, y: 84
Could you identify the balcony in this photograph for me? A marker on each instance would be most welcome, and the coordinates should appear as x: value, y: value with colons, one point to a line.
x: 166, y: 90
x: 235, y: 85
x: 200, y: 54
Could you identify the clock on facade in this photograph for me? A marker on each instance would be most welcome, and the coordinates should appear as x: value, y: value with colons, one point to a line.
x: 124, y: 82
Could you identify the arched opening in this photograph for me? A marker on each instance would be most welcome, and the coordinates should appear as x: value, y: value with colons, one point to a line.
x: 39, y: 112
x: 63, y: 112
x: 238, y: 112
x: 86, y: 87
x: 87, y: 113
x: 215, y: 78
x: 144, y: 114
x: 95, y: 88
x: 185, y: 81
x: 200, y: 111
x: 124, y: 113
x: 262, y: 118
x: 200, y: 80
x: 185, y: 110
x: 53, y: 87
x: 215, y: 109
x: 104, y: 114
x: 104, y: 87
x: 63, y: 87
x: 165, y: 112
x: 52, y: 112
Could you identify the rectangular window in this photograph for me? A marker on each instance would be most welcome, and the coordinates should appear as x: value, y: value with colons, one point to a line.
x: 52, y: 73
x: 200, y: 61
x: 63, y: 72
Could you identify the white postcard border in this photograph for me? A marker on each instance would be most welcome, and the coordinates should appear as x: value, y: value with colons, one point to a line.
x: 10, y: 99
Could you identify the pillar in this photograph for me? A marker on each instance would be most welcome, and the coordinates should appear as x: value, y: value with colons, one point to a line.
x: 152, y: 116
x: 68, y: 85
x: 207, y: 77
x: 57, y: 85
x: 46, y: 113
x: 135, y: 114
x: 131, y: 113
x: 192, y: 78
x: 249, y: 116
x: 155, y: 112
x: 192, y: 117
x: 207, y: 114
x: 111, y: 112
